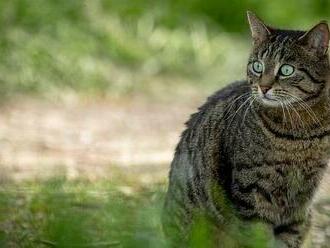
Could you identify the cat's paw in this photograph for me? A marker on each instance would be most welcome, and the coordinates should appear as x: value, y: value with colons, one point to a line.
x: 278, y: 244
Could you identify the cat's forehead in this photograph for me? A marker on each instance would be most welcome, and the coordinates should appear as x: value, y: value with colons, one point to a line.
x: 282, y: 38
x: 280, y: 34
x: 279, y: 46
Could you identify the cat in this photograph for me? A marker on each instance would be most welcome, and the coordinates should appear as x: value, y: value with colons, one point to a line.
x: 252, y: 157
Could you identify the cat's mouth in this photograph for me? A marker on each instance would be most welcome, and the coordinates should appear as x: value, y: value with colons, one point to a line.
x: 274, y: 101
x: 268, y: 98
x: 270, y: 102
x: 271, y: 99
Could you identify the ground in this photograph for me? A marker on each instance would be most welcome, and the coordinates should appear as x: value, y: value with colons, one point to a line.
x: 100, y: 141
x: 88, y: 139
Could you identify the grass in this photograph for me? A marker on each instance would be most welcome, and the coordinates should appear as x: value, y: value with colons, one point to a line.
x: 80, y: 213
x: 61, y: 213
x: 121, y: 212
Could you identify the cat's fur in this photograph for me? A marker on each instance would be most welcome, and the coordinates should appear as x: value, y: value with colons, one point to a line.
x: 262, y: 158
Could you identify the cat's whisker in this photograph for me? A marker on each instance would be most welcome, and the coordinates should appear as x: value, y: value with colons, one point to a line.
x: 290, y: 117
x: 307, y: 108
x: 248, y: 108
x: 297, y: 113
x: 298, y: 101
x: 284, y: 115
x: 312, y: 114
x: 287, y: 109
x: 231, y: 105
x: 240, y: 107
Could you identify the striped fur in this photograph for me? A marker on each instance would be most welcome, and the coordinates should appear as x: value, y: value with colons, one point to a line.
x: 241, y: 161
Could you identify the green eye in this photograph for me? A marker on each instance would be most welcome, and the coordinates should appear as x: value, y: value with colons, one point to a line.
x: 257, y: 67
x: 286, y: 70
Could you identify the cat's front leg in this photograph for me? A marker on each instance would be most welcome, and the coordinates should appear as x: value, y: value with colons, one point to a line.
x: 279, y: 244
x: 293, y: 236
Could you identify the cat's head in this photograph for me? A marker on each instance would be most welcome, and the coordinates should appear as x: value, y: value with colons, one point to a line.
x: 287, y: 66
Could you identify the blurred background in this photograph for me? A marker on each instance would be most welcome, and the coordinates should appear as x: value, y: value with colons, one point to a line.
x: 94, y: 94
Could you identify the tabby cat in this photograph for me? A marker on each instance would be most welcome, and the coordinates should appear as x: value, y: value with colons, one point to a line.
x: 255, y: 152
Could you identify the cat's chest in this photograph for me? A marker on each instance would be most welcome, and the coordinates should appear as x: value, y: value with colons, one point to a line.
x: 276, y: 180
x: 252, y: 144
x: 284, y: 166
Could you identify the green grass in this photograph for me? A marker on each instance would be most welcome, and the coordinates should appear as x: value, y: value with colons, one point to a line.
x: 80, y: 213
x: 61, y: 213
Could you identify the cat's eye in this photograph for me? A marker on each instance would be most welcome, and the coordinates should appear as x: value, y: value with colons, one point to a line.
x: 286, y: 70
x: 257, y: 67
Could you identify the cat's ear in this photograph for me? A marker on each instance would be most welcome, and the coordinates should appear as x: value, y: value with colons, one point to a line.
x: 259, y: 31
x: 316, y: 39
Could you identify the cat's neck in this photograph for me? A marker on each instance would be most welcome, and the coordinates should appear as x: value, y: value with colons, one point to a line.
x: 298, y: 117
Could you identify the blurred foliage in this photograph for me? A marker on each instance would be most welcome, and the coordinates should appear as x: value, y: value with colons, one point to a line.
x: 113, y: 47
x: 59, y: 213
x: 62, y: 213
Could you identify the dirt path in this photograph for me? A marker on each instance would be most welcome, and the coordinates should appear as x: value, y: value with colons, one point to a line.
x: 40, y: 139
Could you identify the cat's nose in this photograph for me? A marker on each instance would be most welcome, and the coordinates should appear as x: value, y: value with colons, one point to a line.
x: 264, y: 89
